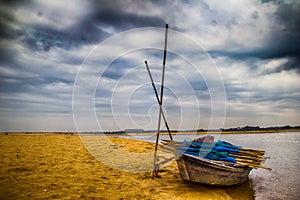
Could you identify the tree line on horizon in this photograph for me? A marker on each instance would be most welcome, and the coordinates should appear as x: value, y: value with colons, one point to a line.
x: 245, y: 128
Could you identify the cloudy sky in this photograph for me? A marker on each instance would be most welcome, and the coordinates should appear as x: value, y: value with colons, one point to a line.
x: 79, y: 65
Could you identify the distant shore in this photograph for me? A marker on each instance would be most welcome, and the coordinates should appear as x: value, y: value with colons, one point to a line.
x: 165, y: 132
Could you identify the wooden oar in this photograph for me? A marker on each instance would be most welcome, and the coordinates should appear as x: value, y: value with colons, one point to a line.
x: 247, y: 157
x: 253, y: 165
x: 264, y: 167
x: 249, y: 154
x: 247, y: 161
x: 255, y: 150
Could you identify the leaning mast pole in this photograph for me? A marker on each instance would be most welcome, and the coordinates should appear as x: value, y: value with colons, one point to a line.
x: 158, y: 101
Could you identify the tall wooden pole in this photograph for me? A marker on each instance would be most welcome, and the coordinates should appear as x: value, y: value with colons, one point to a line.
x: 156, y: 167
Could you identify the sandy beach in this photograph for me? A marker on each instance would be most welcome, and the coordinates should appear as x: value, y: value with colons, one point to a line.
x: 58, y: 166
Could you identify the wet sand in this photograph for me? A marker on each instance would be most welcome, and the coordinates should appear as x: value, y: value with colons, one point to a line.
x: 39, y: 166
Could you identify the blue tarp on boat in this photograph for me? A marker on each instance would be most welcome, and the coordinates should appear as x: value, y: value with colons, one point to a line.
x: 214, y: 151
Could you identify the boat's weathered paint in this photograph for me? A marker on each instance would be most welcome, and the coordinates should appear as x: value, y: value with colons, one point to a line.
x: 206, y: 171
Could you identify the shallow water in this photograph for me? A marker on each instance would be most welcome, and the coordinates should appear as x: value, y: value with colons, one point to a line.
x: 283, y: 181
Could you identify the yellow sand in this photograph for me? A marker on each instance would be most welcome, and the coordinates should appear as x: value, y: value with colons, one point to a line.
x: 58, y: 166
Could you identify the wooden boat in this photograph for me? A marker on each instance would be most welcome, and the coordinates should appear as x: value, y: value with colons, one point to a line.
x: 210, y: 172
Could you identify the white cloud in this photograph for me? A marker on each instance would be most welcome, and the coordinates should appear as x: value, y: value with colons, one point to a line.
x: 272, y: 65
x: 283, y: 81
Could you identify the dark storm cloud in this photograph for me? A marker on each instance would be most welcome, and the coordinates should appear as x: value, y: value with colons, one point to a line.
x: 15, y: 84
x: 293, y: 63
x: 118, y: 68
x: 42, y: 37
x: 87, y: 30
x: 45, y: 37
x: 234, y: 92
x: 20, y: 73
x: 113, y: 13
x: 282, y: 42
x: 8, y: 20
x: 125, y: 21
x: 251, y: 96
x: 15, y: 3
x: 31, y: 77
x: 112, y: 74
x: 6, y: 55
x: 6, y: 31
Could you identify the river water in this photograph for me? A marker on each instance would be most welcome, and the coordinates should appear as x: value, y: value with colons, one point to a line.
x: 283, y: 182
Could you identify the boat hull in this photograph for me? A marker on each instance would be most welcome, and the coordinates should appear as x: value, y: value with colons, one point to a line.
x: 205, y: 171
